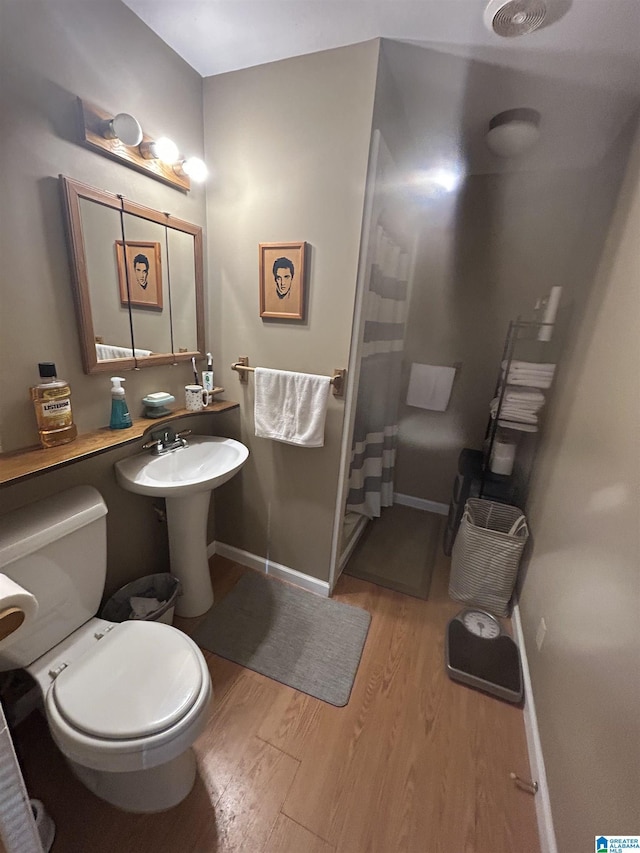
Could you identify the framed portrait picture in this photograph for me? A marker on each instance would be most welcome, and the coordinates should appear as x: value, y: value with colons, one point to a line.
x: 139, y: 263
x: 282, y: 280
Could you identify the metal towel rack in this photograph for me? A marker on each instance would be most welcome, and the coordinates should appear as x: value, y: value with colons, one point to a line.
x: 338, y: 380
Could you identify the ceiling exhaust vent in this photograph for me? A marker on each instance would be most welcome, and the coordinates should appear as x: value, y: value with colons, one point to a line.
x: 511, y: 18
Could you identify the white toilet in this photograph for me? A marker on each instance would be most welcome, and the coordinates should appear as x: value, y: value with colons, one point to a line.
x: 124, y: 702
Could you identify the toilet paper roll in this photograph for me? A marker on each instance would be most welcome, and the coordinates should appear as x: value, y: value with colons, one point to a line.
x: 502, y: 457
x: 549, y: 316
x: 18, y: 607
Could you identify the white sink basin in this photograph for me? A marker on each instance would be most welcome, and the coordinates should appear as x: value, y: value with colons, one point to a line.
x: 184, y: 477
x: 207, y: 462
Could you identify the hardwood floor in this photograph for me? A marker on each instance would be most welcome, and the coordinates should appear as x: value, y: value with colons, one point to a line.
x: 413, y: 763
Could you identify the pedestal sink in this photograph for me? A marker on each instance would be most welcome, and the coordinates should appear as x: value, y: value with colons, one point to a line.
x: 185, y: 477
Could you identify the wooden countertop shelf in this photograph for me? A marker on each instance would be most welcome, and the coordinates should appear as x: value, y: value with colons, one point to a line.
x: 24, y: 464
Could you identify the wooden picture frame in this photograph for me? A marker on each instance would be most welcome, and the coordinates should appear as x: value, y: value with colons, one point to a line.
x: 144, y: 287
x: 282, y: 286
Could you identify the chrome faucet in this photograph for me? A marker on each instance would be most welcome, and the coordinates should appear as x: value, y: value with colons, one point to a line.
x: 165, y: 439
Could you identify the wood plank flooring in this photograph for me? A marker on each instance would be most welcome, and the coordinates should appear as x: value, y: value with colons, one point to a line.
x: 413, y: 763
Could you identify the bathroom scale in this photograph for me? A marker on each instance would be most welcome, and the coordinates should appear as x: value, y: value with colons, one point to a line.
x: 480, y: 654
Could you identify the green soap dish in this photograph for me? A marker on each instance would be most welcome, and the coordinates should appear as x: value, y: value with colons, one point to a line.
x: 156, y: 404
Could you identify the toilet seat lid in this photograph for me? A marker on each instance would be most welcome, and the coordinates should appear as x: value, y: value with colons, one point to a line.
x: 140, y: 679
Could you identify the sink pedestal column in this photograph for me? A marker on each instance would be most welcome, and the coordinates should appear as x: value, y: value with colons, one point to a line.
x: 187, y: 517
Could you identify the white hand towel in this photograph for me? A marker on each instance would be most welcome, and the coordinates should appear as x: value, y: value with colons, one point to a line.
x: 291, y: 407
x: 430, y: 386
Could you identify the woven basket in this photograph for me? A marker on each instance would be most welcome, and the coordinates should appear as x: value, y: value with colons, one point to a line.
x: 486, y: 554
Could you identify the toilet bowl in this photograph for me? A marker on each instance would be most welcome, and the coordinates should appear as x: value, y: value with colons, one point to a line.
x: 124, y: 701
x: 124, y: 705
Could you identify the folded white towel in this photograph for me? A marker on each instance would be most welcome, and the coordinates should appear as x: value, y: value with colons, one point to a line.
x: 518, y: 415
x: 530, y: 380
x: 430, y: 386
x: 524, y: 374
x: 291, y: 407
x: 529, y: 367
x: 517, y: 425
x: 515, y: 395
x: 513, y: 413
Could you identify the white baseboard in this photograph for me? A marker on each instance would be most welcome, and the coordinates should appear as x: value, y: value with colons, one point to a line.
x: 263, y: 564
x: 421, y: 503
x: 534, y: 746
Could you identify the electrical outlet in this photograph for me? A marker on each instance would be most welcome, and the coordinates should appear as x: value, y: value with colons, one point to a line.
x: 540, y: 633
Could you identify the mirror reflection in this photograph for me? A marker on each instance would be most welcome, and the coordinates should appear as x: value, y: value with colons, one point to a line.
x: 138, y: 281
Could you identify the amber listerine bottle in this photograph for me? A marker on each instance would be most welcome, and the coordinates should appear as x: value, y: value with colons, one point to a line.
x: 52, y: 402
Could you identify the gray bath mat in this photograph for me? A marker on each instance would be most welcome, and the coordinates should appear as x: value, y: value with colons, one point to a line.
x: 398, y: 550
x: 310, y: 643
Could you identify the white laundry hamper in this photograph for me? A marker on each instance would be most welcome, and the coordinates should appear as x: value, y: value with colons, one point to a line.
x: 486, y: 555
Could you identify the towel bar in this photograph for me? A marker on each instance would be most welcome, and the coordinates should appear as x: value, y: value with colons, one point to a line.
x: 338, y: 379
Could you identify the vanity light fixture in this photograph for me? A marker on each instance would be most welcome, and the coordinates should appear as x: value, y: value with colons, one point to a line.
x: 193, y: 167
x: 121, y: 138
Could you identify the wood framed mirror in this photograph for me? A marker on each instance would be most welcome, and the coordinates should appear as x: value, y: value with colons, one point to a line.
x: 137, y: 275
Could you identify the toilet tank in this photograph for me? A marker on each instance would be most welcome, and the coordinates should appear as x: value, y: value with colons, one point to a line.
x: 57, y: 550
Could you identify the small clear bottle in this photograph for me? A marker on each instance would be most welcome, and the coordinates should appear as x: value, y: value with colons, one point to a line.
x: 52, y: 404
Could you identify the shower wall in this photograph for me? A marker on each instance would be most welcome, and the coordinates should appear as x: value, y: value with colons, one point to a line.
x: 484, y: 257
x: 487, y: 250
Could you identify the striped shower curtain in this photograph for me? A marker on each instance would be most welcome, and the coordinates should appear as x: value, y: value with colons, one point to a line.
x: 376, y: 420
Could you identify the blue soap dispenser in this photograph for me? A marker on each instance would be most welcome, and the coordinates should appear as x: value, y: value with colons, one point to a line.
x: 120, y: 417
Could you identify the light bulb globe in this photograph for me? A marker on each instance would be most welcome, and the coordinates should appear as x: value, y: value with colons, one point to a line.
x: 196, y: 169
x: 166, y: 150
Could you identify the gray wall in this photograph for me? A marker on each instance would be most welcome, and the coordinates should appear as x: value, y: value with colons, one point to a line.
x: 584, y: 577
x: 289, y: 142
x: 52, y: 52
x: 485, y: 256
x: 512, y: 228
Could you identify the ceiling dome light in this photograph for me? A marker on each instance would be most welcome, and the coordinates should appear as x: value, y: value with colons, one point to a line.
x: 195, y: 168
x: 513, y: 132
x: 163, y: 149
x: 125, y: 128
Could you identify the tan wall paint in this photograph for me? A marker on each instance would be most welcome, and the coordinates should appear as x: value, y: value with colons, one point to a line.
x: 51, y: 52
x: 289, y: 142
x: 584, y: 573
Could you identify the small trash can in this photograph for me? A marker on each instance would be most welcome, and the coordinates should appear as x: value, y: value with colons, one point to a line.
x: 486, y: 554
x: 151, y: 598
